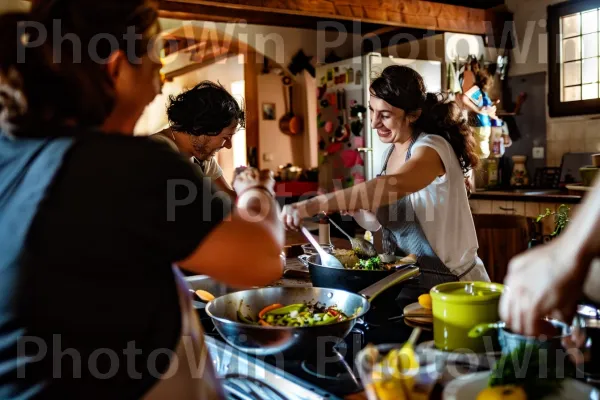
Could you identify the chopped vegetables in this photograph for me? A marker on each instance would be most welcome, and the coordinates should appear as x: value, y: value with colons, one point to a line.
x: 295, y: 315
x: 522, y: 367
x: 353, y: 259
x: 281, y: 310
x: 267, y: 309
x: 371, y: 264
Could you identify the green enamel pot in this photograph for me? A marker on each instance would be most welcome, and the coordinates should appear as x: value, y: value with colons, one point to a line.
x: 457, y: 308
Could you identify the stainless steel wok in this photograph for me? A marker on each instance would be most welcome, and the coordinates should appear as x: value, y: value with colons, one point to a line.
x: 267, y: 340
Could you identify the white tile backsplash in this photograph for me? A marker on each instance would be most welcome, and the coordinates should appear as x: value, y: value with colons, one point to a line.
x: 567, y: 136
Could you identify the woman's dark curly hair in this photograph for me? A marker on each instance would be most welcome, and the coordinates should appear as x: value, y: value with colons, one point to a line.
x: 206, y: 109
x: 42, y: 91
x: 403, y: 87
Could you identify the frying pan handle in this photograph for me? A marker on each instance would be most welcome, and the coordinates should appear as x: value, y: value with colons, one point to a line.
x: 481, y: 329
x: 391, y: 280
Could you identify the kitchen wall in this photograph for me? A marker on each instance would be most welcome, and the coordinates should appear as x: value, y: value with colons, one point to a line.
x: 279, y: 44
x: 277, y: 148
x: 566, y: 134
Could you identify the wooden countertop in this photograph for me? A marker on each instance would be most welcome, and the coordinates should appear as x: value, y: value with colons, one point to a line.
x: 527, y: 195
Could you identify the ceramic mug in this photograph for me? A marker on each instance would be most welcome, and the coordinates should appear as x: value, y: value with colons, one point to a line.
x: 457, y: 308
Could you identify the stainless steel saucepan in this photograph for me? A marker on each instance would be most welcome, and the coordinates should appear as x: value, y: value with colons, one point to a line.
x: 267, y: 340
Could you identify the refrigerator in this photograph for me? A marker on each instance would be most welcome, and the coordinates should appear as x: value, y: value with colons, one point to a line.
x: 350, y: 151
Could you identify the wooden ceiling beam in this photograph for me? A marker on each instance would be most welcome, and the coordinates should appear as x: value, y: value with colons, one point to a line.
x: 419, y: 14
x: 183, y: 10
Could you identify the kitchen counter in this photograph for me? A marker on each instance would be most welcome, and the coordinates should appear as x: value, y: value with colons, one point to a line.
x: 527, y: 195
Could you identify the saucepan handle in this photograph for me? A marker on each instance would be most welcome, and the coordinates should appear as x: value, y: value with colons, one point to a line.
x: 391, y: 280
x: 304, y: 259
x: 481, y: 329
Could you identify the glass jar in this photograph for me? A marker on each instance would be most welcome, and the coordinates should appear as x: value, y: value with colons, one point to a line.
x: 519, y: 174
x: 383, y: 381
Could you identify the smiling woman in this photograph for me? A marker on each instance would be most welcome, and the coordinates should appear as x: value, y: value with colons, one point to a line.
x: 419, y: 200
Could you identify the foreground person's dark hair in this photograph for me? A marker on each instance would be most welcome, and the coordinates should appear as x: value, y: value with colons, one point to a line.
x: 43, y: 92
x: 206, y: 109
x: 403, y: 87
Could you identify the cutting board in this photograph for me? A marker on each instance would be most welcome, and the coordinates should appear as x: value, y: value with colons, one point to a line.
x: 418, y: 314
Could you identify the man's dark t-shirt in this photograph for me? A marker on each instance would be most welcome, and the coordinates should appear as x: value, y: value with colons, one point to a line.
x: 95, y: 283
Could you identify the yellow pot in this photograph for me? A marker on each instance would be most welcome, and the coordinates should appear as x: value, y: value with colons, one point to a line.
x: 458, y: 307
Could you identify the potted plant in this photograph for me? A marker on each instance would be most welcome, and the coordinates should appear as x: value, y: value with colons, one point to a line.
x: 561, y: 218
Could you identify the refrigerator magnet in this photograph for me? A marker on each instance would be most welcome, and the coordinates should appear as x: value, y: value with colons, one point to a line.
x: 328, y: 127
x: 324, y: 103
x: 332, y: 99
x: 321, y: 90
x: 334, y: 148
x: 350, y: 75
x: 358, y: 79
x: 351, y: 158
x: 357, y: 127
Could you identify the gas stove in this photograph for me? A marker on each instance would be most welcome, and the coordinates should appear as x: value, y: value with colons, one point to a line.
x: 325, y: 372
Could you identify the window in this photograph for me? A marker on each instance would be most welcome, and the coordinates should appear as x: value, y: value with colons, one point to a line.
x: 574, y: 58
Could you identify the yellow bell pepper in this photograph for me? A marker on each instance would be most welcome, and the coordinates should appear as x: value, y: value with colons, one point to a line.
x: 425, y: 301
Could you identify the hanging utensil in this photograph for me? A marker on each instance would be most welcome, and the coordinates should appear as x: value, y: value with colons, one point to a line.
x: 290, y: 124
x: 359, y: 245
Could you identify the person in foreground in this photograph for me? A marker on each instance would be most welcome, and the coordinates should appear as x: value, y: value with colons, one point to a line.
x: 92, y: 219
x: 419, y: 200
x: 203, y: 121
x: 551, y: 279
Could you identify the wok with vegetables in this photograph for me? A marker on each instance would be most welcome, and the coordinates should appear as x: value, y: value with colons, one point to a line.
x: 352, y: 259
x: 358, y: 273
x: 274, y: 320
x: 295, y: 315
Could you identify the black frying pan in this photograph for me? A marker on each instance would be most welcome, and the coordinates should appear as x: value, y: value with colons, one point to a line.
x: 351, y: 280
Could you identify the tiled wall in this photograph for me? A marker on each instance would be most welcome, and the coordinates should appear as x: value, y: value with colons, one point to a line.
x: 564, y: 135
x: 570, y: 135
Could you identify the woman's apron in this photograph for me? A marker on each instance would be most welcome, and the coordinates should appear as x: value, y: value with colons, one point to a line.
x: 27, y: 168
x: 403, y: 235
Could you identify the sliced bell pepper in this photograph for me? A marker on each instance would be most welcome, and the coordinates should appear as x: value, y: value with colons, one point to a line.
x: 326, y: 322
x: 285, y: 310
x: 244, y: 319
x: 269, y: 308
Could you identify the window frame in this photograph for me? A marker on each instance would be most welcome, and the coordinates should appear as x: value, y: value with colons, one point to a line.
x: 557, y: 108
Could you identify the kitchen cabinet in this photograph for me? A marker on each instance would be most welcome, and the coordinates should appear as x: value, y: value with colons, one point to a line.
x: 504, y: 227
x: 520, y: 208
x: 501, y: 237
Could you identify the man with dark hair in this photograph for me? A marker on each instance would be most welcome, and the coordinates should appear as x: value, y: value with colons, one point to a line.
x: 202, y: 121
